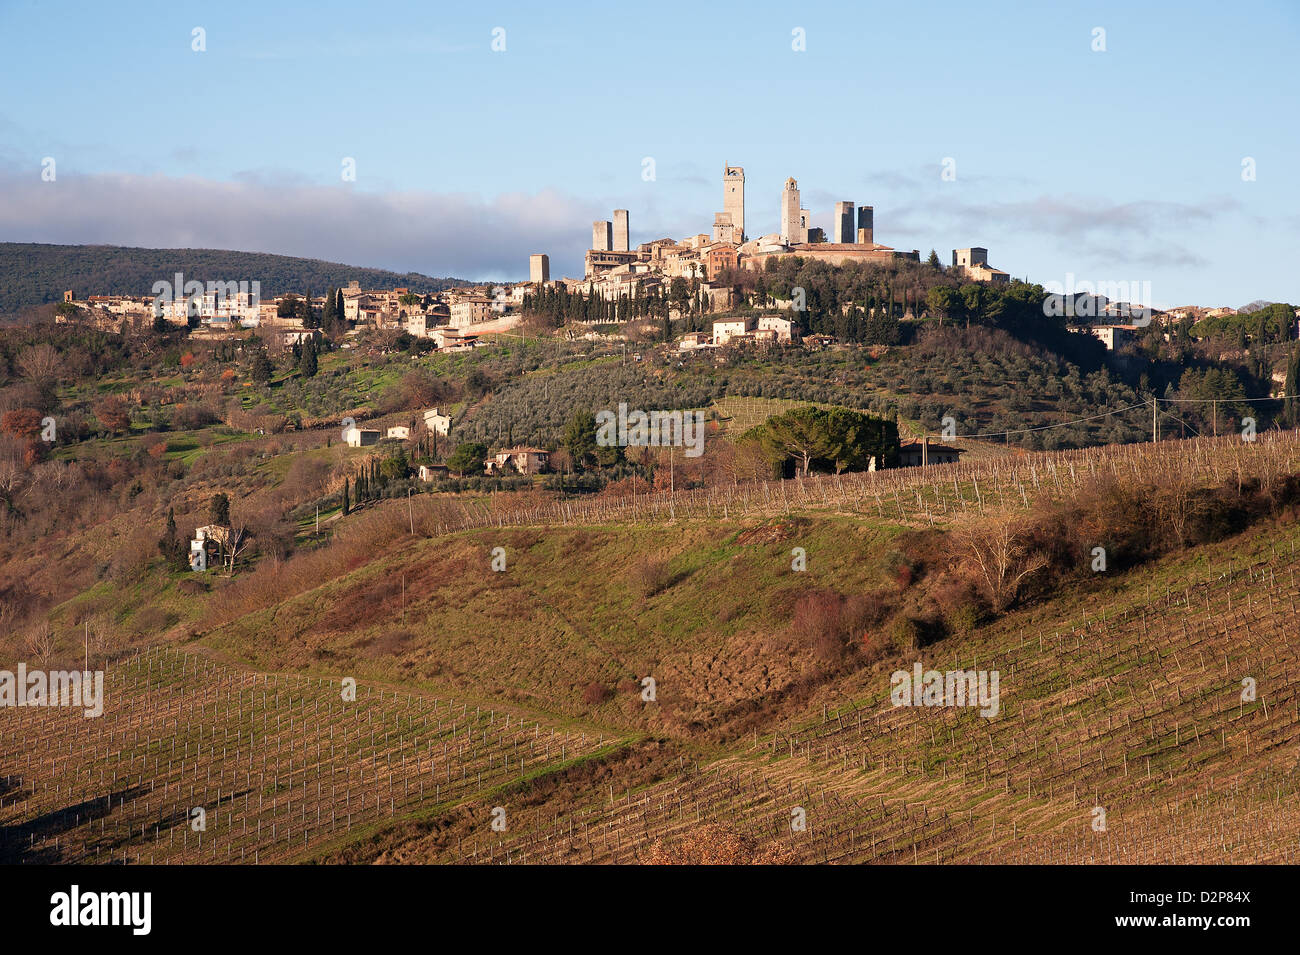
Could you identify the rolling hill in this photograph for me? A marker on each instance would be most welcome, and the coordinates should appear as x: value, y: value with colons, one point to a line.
x: 1123, y: 733
x: 33, y: 273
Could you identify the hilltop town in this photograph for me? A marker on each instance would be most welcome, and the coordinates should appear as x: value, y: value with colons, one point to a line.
x: 677, y: 281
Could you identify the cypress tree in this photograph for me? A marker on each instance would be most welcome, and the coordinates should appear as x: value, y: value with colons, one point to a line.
x: 1290, y: 405
x: 309, y: 365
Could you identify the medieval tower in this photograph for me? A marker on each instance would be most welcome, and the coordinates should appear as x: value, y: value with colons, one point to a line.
x: 733, y: 198
x: 790, y: 218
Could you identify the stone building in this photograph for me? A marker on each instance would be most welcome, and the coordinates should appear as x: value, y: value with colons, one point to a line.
x: 791, y: 231
x: 470, y: 311
x: 974, y: 264
x: 842, y: 230
x: 733, y: 200
x: 620, y: 231
x: 866, y: 225
x: 724, y: 230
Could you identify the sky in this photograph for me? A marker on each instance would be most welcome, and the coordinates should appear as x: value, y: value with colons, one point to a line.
x: 1153, y: 143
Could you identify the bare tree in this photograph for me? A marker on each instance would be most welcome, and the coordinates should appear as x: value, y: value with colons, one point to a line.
x: 1177, y: 502
x: 13, y: 466
x: 100, y: 634
x: 40, y: 642
x: 1002, y: 560
x: 234, y: 545
x: 40, y: 364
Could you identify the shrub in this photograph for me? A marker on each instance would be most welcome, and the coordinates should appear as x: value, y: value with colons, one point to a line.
x: 819, y: 620
x: 963, y: 620
x: 905, y: 634
x: 650, y: 576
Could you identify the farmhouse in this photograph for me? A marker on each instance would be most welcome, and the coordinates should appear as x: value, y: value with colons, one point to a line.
x: 786, y: 330
x: 923, y: 453
x: 724, y: 331
x: 360, y: 437
x: 1109, y: 335
x: 521, y: 460
x: 692, y: 341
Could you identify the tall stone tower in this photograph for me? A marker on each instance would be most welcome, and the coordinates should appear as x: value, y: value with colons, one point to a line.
x: 539, y: 268
x: 602, y: 236
x: 620, y: 230
x: 842, y: 229
x: 866, y: 225
x: 790, y: 219
x: 733, y: 198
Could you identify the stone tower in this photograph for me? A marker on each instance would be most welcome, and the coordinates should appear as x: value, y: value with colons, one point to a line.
x: 842, y: 229
x: 733, y: 198
x: 602, y: 235
x: 539, y: 268
x: 620, y: 230
x: 866, y: 225
x: 790, y: 219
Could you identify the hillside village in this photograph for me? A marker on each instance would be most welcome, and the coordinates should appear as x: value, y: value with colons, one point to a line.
x: 701, y: 274
x: 684, y: 306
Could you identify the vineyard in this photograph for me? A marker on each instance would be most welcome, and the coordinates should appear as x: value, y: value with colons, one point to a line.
x: 1140, y: 714
x: 279, y: 765
x: 913, y: 496
x: 1154, y: 717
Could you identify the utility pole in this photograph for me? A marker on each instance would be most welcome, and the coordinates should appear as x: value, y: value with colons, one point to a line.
x: 1214, y: 404
x: 409, y: 512
x: 1155, y: 425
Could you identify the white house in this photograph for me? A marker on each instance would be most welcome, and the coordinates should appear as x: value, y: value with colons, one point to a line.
x: 783, y: 327
x: 725, y: 330
x: 360, y: 437
x: 437, y: 423
x: 451, y: 339
x: 470, y: 311
x: 1111, y: 336
x: 694, y: 340
x: 401, y: 433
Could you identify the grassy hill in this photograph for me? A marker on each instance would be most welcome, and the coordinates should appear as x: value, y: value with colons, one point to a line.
x: 522, y: 690
x: 35, y: 273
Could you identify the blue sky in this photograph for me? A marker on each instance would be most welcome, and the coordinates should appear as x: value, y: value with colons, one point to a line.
x: 1122, y: 165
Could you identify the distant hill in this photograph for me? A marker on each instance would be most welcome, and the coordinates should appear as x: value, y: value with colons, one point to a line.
x: 33, y: 273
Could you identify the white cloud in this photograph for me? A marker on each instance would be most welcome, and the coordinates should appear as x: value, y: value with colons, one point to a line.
x: 440, y: 234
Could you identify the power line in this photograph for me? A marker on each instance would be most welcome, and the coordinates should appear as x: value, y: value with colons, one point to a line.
x: 1226, y: 401
x: 1107, y: 414
x: 1059, y: 424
